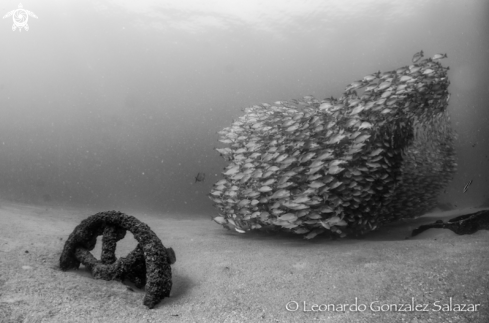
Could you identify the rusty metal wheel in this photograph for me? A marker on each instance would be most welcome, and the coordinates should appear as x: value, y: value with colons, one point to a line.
x: 147, y: 265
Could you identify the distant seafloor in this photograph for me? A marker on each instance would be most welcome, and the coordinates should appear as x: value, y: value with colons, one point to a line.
x: 224, y: 276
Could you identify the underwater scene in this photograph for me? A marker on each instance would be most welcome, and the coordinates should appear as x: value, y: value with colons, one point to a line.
x: 244, y: 161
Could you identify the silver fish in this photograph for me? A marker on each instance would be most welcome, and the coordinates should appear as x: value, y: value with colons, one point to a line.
x: 341, y: 156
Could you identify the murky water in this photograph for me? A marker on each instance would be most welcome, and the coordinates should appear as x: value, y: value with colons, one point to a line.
x: 117, y: 104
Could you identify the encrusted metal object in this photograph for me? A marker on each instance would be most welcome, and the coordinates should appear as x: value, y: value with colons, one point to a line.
x: 147, y: 265
x: 464, y: 224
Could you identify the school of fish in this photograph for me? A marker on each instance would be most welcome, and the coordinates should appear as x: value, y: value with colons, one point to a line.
x: 379, y: 153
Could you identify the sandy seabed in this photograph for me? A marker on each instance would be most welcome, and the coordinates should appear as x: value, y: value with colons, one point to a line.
x: 224, y: 276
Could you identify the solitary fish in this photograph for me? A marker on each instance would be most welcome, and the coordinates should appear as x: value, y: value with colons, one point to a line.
x: 307, y: 157
x: 439, y: 56
x: 376, y: 152
x: 200, y: 177
x: 313, y: 233
x: 280, y: 194
x: 316, y: 184
x: 384, y: 85
x: 357, y: 110
x: 269, y: 182
x: 220, y: 220
x: 335, y: 170
x: 232, y: 171
x: 325, y: 106
x: 406, y: 78
x: 289, y: 217
x: 417, y: 56
x: 301, y: 199
x: 365, y: 125
x: 223, y: 151
x: 467, y: 186
x: 327, y: 154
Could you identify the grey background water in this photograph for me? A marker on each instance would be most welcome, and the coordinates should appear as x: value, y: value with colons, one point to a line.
x: 116, y: 104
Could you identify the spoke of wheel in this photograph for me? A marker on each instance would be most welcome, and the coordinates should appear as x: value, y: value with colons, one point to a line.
x: 111, y: 235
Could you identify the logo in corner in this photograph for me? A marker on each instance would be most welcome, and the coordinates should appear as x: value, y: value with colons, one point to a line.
x: 20, y: 17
